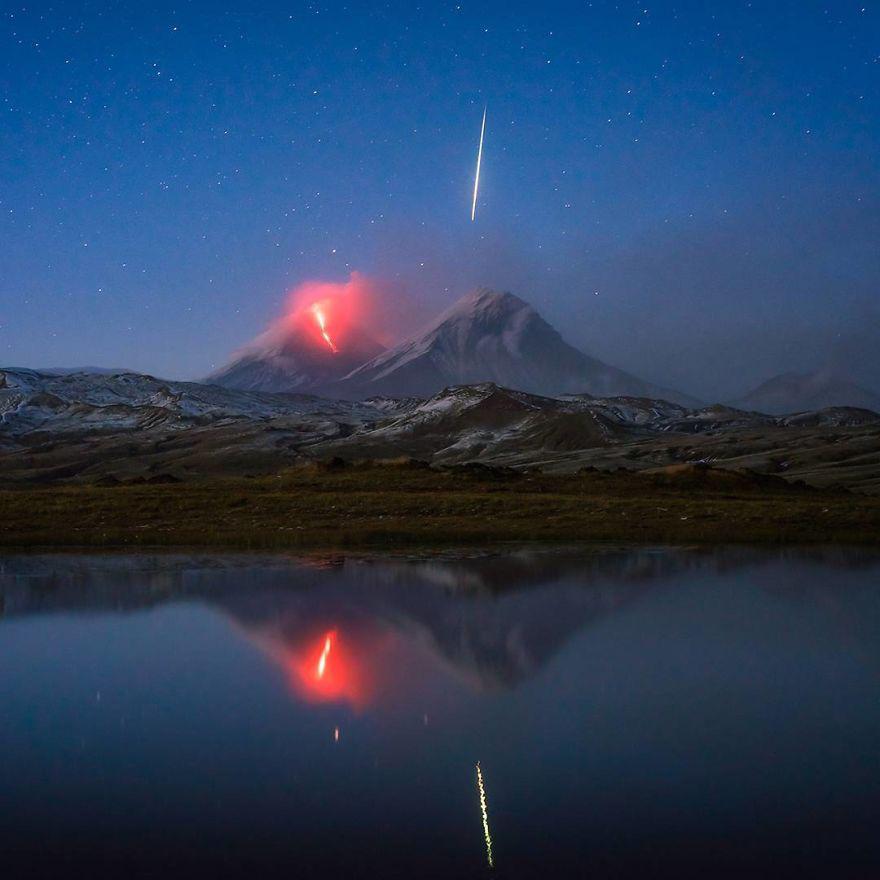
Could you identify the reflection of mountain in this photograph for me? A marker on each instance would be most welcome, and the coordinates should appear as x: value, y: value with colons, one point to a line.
x: 488, y: 639
x: 494, y: 620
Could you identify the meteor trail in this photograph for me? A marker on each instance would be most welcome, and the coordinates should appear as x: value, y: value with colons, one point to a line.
x: 479, y: 162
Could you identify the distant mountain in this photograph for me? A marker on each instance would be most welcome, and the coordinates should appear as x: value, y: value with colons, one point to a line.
x: 492, y: 337
x: 484, y: 423
x: 293, y: 356
x: 796, y: 392
x: 94, y: 371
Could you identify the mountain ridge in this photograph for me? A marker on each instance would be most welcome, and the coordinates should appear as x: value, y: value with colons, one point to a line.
x: 130, y: 427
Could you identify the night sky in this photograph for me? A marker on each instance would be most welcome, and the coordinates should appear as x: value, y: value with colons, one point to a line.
x: 688, y: 190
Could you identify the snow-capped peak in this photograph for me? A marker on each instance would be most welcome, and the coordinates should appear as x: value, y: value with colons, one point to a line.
x: 491, y: 336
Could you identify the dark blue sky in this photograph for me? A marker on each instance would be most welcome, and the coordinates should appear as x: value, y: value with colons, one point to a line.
x: 689, y: 190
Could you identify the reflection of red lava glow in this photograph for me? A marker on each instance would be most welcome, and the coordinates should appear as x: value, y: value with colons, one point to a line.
x: 325, y: 652
x: 318, y: 312
x: 328, y: 672
x: 326, y: 662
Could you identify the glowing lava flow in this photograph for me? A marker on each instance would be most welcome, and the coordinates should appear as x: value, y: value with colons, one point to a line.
x: 321, y: 668
x: 318, y: 312
x: 484, y: 809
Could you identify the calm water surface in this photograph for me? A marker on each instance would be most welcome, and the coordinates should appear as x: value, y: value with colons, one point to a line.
x: 633, y: 713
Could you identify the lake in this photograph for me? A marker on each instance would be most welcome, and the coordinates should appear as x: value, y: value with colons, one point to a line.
x: 606, y: 713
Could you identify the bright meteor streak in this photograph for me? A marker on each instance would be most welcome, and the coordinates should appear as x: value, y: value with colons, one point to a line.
x: 479, y: 163
x: 484, y: 809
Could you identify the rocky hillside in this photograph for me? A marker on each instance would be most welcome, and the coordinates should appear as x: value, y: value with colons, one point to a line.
x: 123, y: 427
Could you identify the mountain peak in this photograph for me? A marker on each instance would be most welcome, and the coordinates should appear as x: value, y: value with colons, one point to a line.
x: 486, y: 303
x: 490, y: 336
x: 487, y: 297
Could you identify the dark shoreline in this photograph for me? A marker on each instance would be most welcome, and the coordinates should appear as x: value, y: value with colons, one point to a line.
x: 404, y: 508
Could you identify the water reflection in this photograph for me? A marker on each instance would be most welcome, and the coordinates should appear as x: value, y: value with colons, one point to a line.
x: 484, y: 813
x: 487, y: 618
x: 324, y: 666
x: 630, y: 712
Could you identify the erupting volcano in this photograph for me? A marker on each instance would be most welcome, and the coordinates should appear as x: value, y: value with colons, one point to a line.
x: 319, y: 340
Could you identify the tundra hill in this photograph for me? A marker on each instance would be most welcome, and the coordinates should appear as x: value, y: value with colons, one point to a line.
x: 479, y: 423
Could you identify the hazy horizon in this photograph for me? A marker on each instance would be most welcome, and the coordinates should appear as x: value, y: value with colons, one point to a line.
x: 834, y: 365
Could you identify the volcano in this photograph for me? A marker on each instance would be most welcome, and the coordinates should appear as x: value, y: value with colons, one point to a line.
x: 489, y: 336
x: 303, y: 352
x: 796, y: 392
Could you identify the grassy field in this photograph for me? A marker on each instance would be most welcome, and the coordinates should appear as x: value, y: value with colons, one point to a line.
x: 389, y: 506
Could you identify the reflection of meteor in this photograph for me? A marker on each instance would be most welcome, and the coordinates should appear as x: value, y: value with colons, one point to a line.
x: 322, y: 660
x: 318, y: 312
x: 484, y: 809
x: 479, y: 162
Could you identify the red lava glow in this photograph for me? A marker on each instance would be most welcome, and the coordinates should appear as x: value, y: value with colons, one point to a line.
x: 318, y: 312
x: 331, y: 661
x: 333, y: 312
x: 353, y: 319
x: 325, y: 653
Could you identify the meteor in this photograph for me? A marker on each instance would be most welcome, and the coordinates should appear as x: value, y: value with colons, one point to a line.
x: 484, y: 809
x: 479, y: 162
